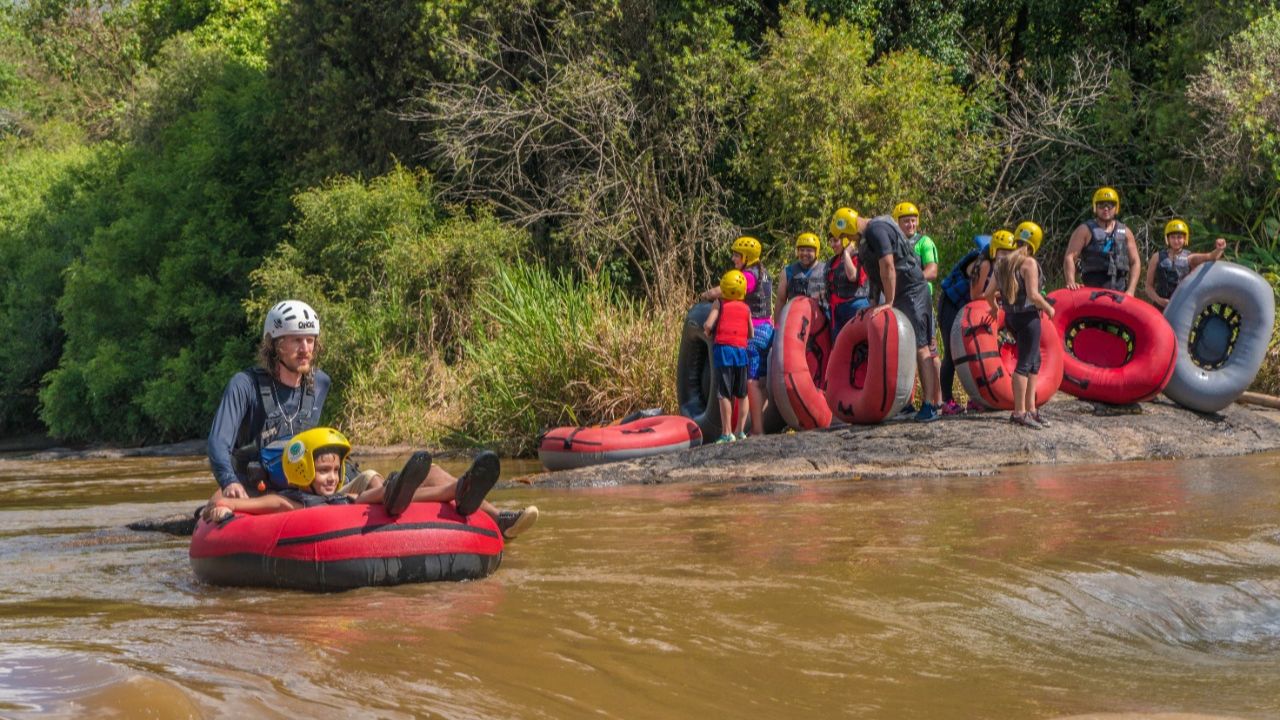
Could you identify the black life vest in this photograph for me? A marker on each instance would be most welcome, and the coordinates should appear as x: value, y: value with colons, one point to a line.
x: 1107, y: 253
x: 760, y: 300
x: 802, y: 282
x: 1022, y: 303
x: 1170, y: 271
x: 843, y: 289
x: 956, y: 283
x: 259, y: 458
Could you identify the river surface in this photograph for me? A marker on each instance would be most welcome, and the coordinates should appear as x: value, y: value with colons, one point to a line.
x: 1036, y: 593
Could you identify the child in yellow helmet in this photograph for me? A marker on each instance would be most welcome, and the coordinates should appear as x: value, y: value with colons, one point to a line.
x: 805, y: 276
x: 314, y: 464
x: 759, y: 299
x: 729, y: 326
x: 1167, y: 268
x: 848, y: 290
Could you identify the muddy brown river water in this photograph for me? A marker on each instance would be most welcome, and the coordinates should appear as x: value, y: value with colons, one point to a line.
x: 1037, y: 593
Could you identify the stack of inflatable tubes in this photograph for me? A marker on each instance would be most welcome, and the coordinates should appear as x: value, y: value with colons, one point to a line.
x: 872, y: 369
x: 1119, y: 349
x: 801, y: 346
x: 697, y: 379
x: 986, y: 357
x: 1222, y: 315
x: 574, y: 447
x: 339, y: 547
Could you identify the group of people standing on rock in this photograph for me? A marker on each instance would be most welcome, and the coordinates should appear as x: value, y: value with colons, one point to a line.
x: 270, y: 454
x: 886, y: 261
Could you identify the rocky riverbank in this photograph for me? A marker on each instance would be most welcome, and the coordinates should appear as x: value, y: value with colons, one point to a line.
x: 977, y: 444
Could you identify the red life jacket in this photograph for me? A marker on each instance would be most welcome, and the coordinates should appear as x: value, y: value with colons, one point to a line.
x: 734, y: 323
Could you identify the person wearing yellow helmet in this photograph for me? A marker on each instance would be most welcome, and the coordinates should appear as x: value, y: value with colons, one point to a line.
x: 1167, y: 268
x: 848, y: 290
x: 897, y: 278
x: 804, y: 276
x: 1019, y: 283
x: 908, y: 217
x: 746, y: 253
x: 730, y: 329
x: 315, y: 461
x: 1105, y: 247
x: 283, y: 396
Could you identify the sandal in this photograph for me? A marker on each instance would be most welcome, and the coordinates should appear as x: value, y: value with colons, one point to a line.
x: 398, y: 491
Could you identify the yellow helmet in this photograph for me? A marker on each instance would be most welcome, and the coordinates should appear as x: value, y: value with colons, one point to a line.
x: 1176, y: 226
x: 809, y: 240
x: 300, y: 454
x: 1106, y: 194
x: 1031, y: 234
x: 844, y: 223
x: 749, y: 249
x: 1000, y: 240
x: 733, y: 285
x: 904, y: 208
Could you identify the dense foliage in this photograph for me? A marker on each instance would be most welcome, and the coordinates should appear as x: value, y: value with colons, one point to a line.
x: 501, y: 208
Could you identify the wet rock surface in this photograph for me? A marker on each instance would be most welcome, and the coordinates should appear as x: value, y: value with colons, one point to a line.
x: 971, y: 444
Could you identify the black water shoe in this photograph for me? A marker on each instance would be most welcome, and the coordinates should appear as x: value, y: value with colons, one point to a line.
x: 514, y: 522
x: 400, y: 486
x: 476, y: 482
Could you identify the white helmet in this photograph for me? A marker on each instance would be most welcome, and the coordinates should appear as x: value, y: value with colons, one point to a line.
x: 291, y: 317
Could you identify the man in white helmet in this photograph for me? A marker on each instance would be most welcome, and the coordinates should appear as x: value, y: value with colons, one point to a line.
x: 263, y: 406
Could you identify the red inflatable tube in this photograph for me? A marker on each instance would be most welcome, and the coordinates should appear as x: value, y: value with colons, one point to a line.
x: 574, y: 447
x: 872, y: 369
x: 797, y: 363
x: 339, y: 547
x: 1119, y: 349
x: 986, y: 356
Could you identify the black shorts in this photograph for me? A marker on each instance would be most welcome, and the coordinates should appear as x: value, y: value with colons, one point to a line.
x: 1025, y: 326
x: 913, y: 301
x: 733, y: 382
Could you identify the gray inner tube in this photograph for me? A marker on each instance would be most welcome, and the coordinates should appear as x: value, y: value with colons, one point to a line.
x: 697, y: 380
x: 1222, y: 314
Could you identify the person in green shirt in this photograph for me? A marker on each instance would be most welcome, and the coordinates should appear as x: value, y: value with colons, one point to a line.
x: 907, y: 215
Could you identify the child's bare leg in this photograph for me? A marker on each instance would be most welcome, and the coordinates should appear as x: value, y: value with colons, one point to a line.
x: 756, y: 394
x: 1030, y: 402
x: 1019, y: 394
x: 726, y: 415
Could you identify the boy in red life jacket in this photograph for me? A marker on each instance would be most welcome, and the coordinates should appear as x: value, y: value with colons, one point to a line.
x: 729, y: 326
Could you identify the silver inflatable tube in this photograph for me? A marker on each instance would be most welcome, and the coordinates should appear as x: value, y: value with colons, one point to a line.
x: 1210, y: 387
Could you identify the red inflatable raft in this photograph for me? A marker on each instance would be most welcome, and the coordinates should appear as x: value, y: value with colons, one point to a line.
x: 339, y: 547
x: 1119, y: 349
x: 872, y: 370
x: 797, y: 362
x: 986, y: 356
x: 575, y: 447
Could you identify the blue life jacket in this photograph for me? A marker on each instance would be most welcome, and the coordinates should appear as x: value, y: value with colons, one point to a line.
x: 956, y: 283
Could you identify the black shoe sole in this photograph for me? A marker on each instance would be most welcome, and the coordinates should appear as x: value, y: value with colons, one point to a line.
x: 399, y: 489
x: 476, y: 483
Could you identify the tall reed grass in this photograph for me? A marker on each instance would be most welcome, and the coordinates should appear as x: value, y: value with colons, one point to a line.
x: 552, y: 350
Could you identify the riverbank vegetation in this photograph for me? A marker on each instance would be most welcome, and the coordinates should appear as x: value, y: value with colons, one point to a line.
x: 502, y: 211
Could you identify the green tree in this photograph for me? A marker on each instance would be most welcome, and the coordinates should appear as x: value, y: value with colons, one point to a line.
x: 828, y: 127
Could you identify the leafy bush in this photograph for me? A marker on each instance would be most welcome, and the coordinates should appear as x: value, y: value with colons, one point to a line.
x: 395, y: 283
x: 45, y: 214
x: 555, y: 351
